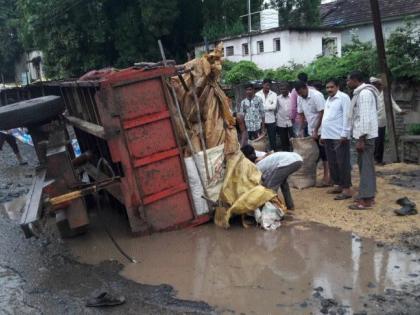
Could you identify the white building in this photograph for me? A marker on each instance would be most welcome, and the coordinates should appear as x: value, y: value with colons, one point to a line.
x: 277, y: 47
x: 354, y: 17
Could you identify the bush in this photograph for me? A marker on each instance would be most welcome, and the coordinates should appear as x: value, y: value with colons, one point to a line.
x: 243, y: 71
x: 414, y: 129
x: 403, y: 49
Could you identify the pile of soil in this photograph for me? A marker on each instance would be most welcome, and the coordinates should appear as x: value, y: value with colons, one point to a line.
x: 380, y: 223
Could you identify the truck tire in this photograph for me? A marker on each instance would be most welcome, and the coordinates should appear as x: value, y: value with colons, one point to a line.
x: 31, y: 112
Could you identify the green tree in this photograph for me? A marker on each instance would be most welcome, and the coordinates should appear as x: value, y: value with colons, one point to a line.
x: 295, y: 13
x: 10, y: 47
x: 403, y: 50
x: 222, y: 17
x: 243, y: 71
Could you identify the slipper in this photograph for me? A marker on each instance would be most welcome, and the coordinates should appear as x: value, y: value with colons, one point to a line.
x: 343, y: 197
x: 358, y: 206
x: 105, y: 299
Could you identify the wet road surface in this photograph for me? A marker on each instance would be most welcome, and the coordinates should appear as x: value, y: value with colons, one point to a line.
x: 291, y: 271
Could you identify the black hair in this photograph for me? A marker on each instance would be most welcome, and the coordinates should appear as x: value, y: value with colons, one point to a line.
x: 303, y: 77
x: 333, y: 80
x: 249, y: 85
x: 248, y: 150
x: 300, y: 85
x: 356, y: 75
x: 266, y: 81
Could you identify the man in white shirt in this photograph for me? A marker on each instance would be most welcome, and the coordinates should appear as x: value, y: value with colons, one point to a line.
x: 364, y: 119
x: 310, y: 105
x: 270, y: 103
x: 283, y: 117
x: 275, y: 169
x: 335, y: 134
x: 380, y: 141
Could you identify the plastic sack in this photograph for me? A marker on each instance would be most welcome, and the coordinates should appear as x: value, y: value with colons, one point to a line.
x: 216, y: 171
x: 269, y: 218
x: 306, y: 176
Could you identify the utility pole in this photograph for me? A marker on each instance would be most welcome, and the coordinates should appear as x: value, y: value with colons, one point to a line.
x: 380, y: 46
x: 249, y: 17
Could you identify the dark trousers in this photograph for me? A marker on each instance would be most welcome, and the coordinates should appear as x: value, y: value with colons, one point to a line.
x: 338, y: 156
x: 10, y: 140
x: 285, y: 134
x: 380, y: 145
x: 271, y: 132
x: 367, y: 187
x: 252, y: 135
x: 277, y: 178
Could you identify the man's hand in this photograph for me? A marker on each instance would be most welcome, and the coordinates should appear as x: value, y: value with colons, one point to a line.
x: 360, y: 145
x: 321, y: 141
x: 344, y: 140
x: 315, y: 135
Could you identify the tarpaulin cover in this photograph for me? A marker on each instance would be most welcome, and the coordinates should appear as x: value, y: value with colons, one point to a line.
x: 204, y: 73
x: 242, y: 189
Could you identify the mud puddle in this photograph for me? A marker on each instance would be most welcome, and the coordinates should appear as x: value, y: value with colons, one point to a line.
x: 294, y: 270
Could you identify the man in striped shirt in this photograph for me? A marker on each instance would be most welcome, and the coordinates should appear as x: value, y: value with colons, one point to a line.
x: 364, y: 119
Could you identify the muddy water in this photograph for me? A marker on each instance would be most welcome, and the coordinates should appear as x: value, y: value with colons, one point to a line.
x: 256, y: 272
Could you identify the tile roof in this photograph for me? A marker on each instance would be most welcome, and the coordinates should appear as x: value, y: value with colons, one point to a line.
x: 355, y: 12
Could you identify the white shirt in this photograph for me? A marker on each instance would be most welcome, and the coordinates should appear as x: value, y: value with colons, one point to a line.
x: 310, y: 107
x: 365, y: 118
x: 270, y: 104
x: 277, y: 160
x: 381, y: 110
x: 335, y: 122
x: 284, y: 111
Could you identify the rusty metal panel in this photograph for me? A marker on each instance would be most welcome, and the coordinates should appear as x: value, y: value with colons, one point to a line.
x: 154, y: 186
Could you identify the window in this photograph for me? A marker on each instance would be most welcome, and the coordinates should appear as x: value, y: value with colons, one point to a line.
x: 260, y: 46
x: 276, y: 44
x: 245, y: 49
x: 230, y: 51
x: 329, y: 46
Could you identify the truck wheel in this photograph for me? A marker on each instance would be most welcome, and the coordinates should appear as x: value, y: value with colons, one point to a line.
x: 34, y: 111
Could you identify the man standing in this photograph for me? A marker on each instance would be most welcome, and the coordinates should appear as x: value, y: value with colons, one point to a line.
x: 284, y: 123
x: 310, y: 105
x: 253, y: 109
x: 364, y: 118
x: 335, y: 134
x: 270, y: 102
x: 302, y: 77
x: 380, y: 141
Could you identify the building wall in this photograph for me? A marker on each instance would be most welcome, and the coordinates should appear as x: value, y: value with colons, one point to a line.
x: 297, y: 47
x: 25, y: 70
x: 366, y: 33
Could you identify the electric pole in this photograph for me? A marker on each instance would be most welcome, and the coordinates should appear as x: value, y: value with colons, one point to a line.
x: 380, y: 46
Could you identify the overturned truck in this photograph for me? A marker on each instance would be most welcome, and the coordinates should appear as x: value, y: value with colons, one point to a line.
x: 154, y: 136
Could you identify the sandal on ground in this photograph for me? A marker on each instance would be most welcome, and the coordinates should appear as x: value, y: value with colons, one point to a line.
x: 359, y: 206
x: 343, y: 197
x: 105, y: 299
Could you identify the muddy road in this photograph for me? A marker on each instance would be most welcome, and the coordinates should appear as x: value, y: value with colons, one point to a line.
x: 303, y: 268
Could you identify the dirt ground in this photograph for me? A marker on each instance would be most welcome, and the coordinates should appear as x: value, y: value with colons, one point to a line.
x: 394, y: 181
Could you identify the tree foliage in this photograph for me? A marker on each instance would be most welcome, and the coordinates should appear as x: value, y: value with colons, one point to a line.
x: 78, y: 35
x: 222, y: 17
x: 296, y: 13
x: 403, y: 52
x: 10, y: 47
x: 403, y: 48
